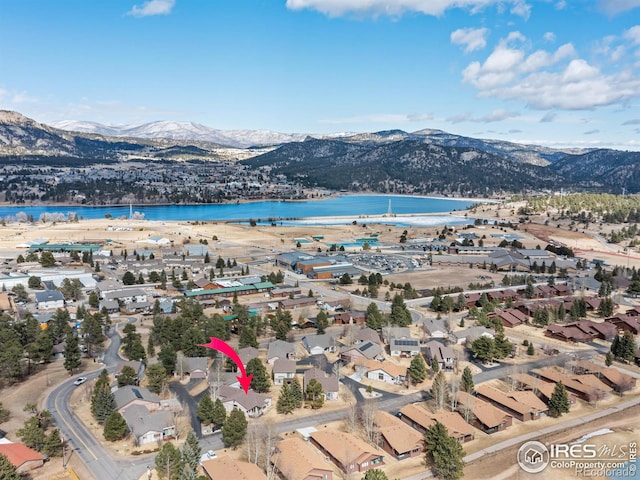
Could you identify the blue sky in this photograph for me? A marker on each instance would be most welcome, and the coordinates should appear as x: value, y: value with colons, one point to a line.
x: 556, y: 72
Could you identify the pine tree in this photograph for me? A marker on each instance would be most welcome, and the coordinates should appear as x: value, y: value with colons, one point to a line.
x: 467, y: 380
x: 559, y: 401
x: 627, y: 347
x: 296, y: 393
x: 71, y: 353
x: 530, y: 349
x: 373, y: 317
x: 191, y: 452
x: 439, y: 391
x: 375, y: 474
x: 286, y: 402
x: 102, y: 402
x: 168, y: 462
x: 248, y: 338
x: 444, y: 453
x: 8, y: 470
x: 435, y: 366
x: 608, y: 359
x: 234, y: 429
x: 205, y: 410
x: 615, y: 346
x: 156, y: 377
x: 314, y: 394
x: 417, y: 370
x: 322, y: 322
x: 219, y: 415
x: 53, y: 444
x: 260, y: 382
x: 115, y: 427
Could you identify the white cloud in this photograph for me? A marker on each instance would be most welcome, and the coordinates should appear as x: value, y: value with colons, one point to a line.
x: 495, y: 116
x: 23, y: 97
x: 633, y: 34
x: 3, y: 93
x: 152, y: 7
x: 390, y: 118
x: 549, y: 37
x: 337, y: 8
x: 561, y: 5
x: 471, y: 38
x: 614, y: 7
x: 548, y: 117
x: 554, y: 79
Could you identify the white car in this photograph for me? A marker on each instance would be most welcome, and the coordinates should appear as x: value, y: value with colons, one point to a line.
x: 79, y: 381
x: 210, y: 455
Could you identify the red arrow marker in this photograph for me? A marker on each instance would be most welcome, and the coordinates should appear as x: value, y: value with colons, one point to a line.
x: 225, y: 348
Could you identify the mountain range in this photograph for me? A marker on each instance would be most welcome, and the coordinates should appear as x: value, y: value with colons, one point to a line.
x: 425, y: 161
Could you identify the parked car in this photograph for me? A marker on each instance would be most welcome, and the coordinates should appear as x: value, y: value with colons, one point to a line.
x: 79, y: 381
x: 208, y: 456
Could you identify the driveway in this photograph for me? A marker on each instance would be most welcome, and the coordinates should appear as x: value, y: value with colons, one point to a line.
x: 182, y: 392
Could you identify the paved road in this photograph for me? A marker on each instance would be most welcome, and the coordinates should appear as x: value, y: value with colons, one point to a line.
x: 182, y: 393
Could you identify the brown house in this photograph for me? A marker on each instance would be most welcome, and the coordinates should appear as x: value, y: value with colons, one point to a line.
x: 295, y: 459
x: 625, y: 323
x: 484, y: 416
x: 524, y: 406
x: 228, y: 468
x: 511, y: 317
x: 348, y: 452
x: 397, y: 438
x: 620, y: 382
x: 542, y: 389
x: 422, y: 420
x: 586, y: 387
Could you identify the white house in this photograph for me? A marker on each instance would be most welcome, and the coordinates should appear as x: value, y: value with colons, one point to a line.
x: 316, y: 344
x: 330, y: 383
x: 283, y: 371
x: 386, y: 372
x: 49, y: 299
x: 147, y: 427
x: 252, y: 404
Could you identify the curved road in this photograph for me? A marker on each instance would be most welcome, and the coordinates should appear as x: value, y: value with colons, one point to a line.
x: 81, y: 441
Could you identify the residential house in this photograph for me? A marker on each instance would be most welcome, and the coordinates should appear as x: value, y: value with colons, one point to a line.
x: 49, y: 300
x: 421, y: 419
x: 248, y: 353
x: 443, y: 354
x: 137, y: 366
x: 367, y: 350
x: 283, y: 371
x: 133, y: 395
x: 226, y: 468
x: 544, y: 390
x: 194, y: 367
x: 22, y: 457
x: 296, y: 459
x: 625, y: 323
x: 470, y: 334
x: 524, y: 406
x: 347, y: 451
x: 481, y: 414
x: 401, y: 344
x: 511, y: 317
x: 316, y: 344
x: 397, y: 438
x: 350, y: 317
x: 387, y: 372
x: 586, y: 387
x: 147, y: 427
x: 366, y: 334
x: 330, y: 383
x: 569, y: 333
x: 435, y: 328
x: 252, y: 404
x: 281, y: 350
x: 619, y: 381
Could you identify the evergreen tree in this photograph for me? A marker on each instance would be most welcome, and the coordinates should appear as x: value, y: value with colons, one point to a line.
x: 71, y: 353
x: 32, y: 434
x: 219, y: 415
x: 467, y: 380
x: 102, y: 401
x: 234, y: 429
x: 483, y: 349
x: 444, y: 453
x: 156, y: 377
x: 615, y: 346
x: 435, y: 366
x: 53, y: 444
x: 608, y: 359
x: 322, y: 322
x: 191, y: 452
x: 531, y: 349
x: 168, y: 462
x: 115, y: 427
x: 286, y: 402
x: 205, y: 410
x: 127, y: 376
x: 375, y: 474
x: 373, y: 317
x: 417, y: 370
x: 8, y: 470
x: 260, y: 381
x: 400, y: 314
x: 248, y: 338
x: 503, y: 347
x: 5, y: 414
x: 314, y: 394
x: 627, y: 347
x: 559, y: 401
x: 296, y: 393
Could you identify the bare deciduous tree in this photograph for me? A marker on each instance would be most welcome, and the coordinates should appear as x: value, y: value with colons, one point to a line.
x: 454, y: 388
x: 367, y: 416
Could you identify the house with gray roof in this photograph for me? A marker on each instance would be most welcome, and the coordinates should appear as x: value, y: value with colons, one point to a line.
x: 435, y: 328
x: 330, y: 383
x: 247, y: 353
x: 470, y: 334
x: 283, y: 371
x: 366, y: 334
x: 252, y: 404
x: 316, y: 344
x: 401, y: 344
x: 49, y: 299
x: 195, y: 367
x: 133, y: 395
x: 147, y: 427
x: 368, y: 350
x: 441, y: 353
x: 281, y: 350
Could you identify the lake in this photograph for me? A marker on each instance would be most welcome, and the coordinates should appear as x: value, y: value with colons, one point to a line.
x: 374, y: 207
